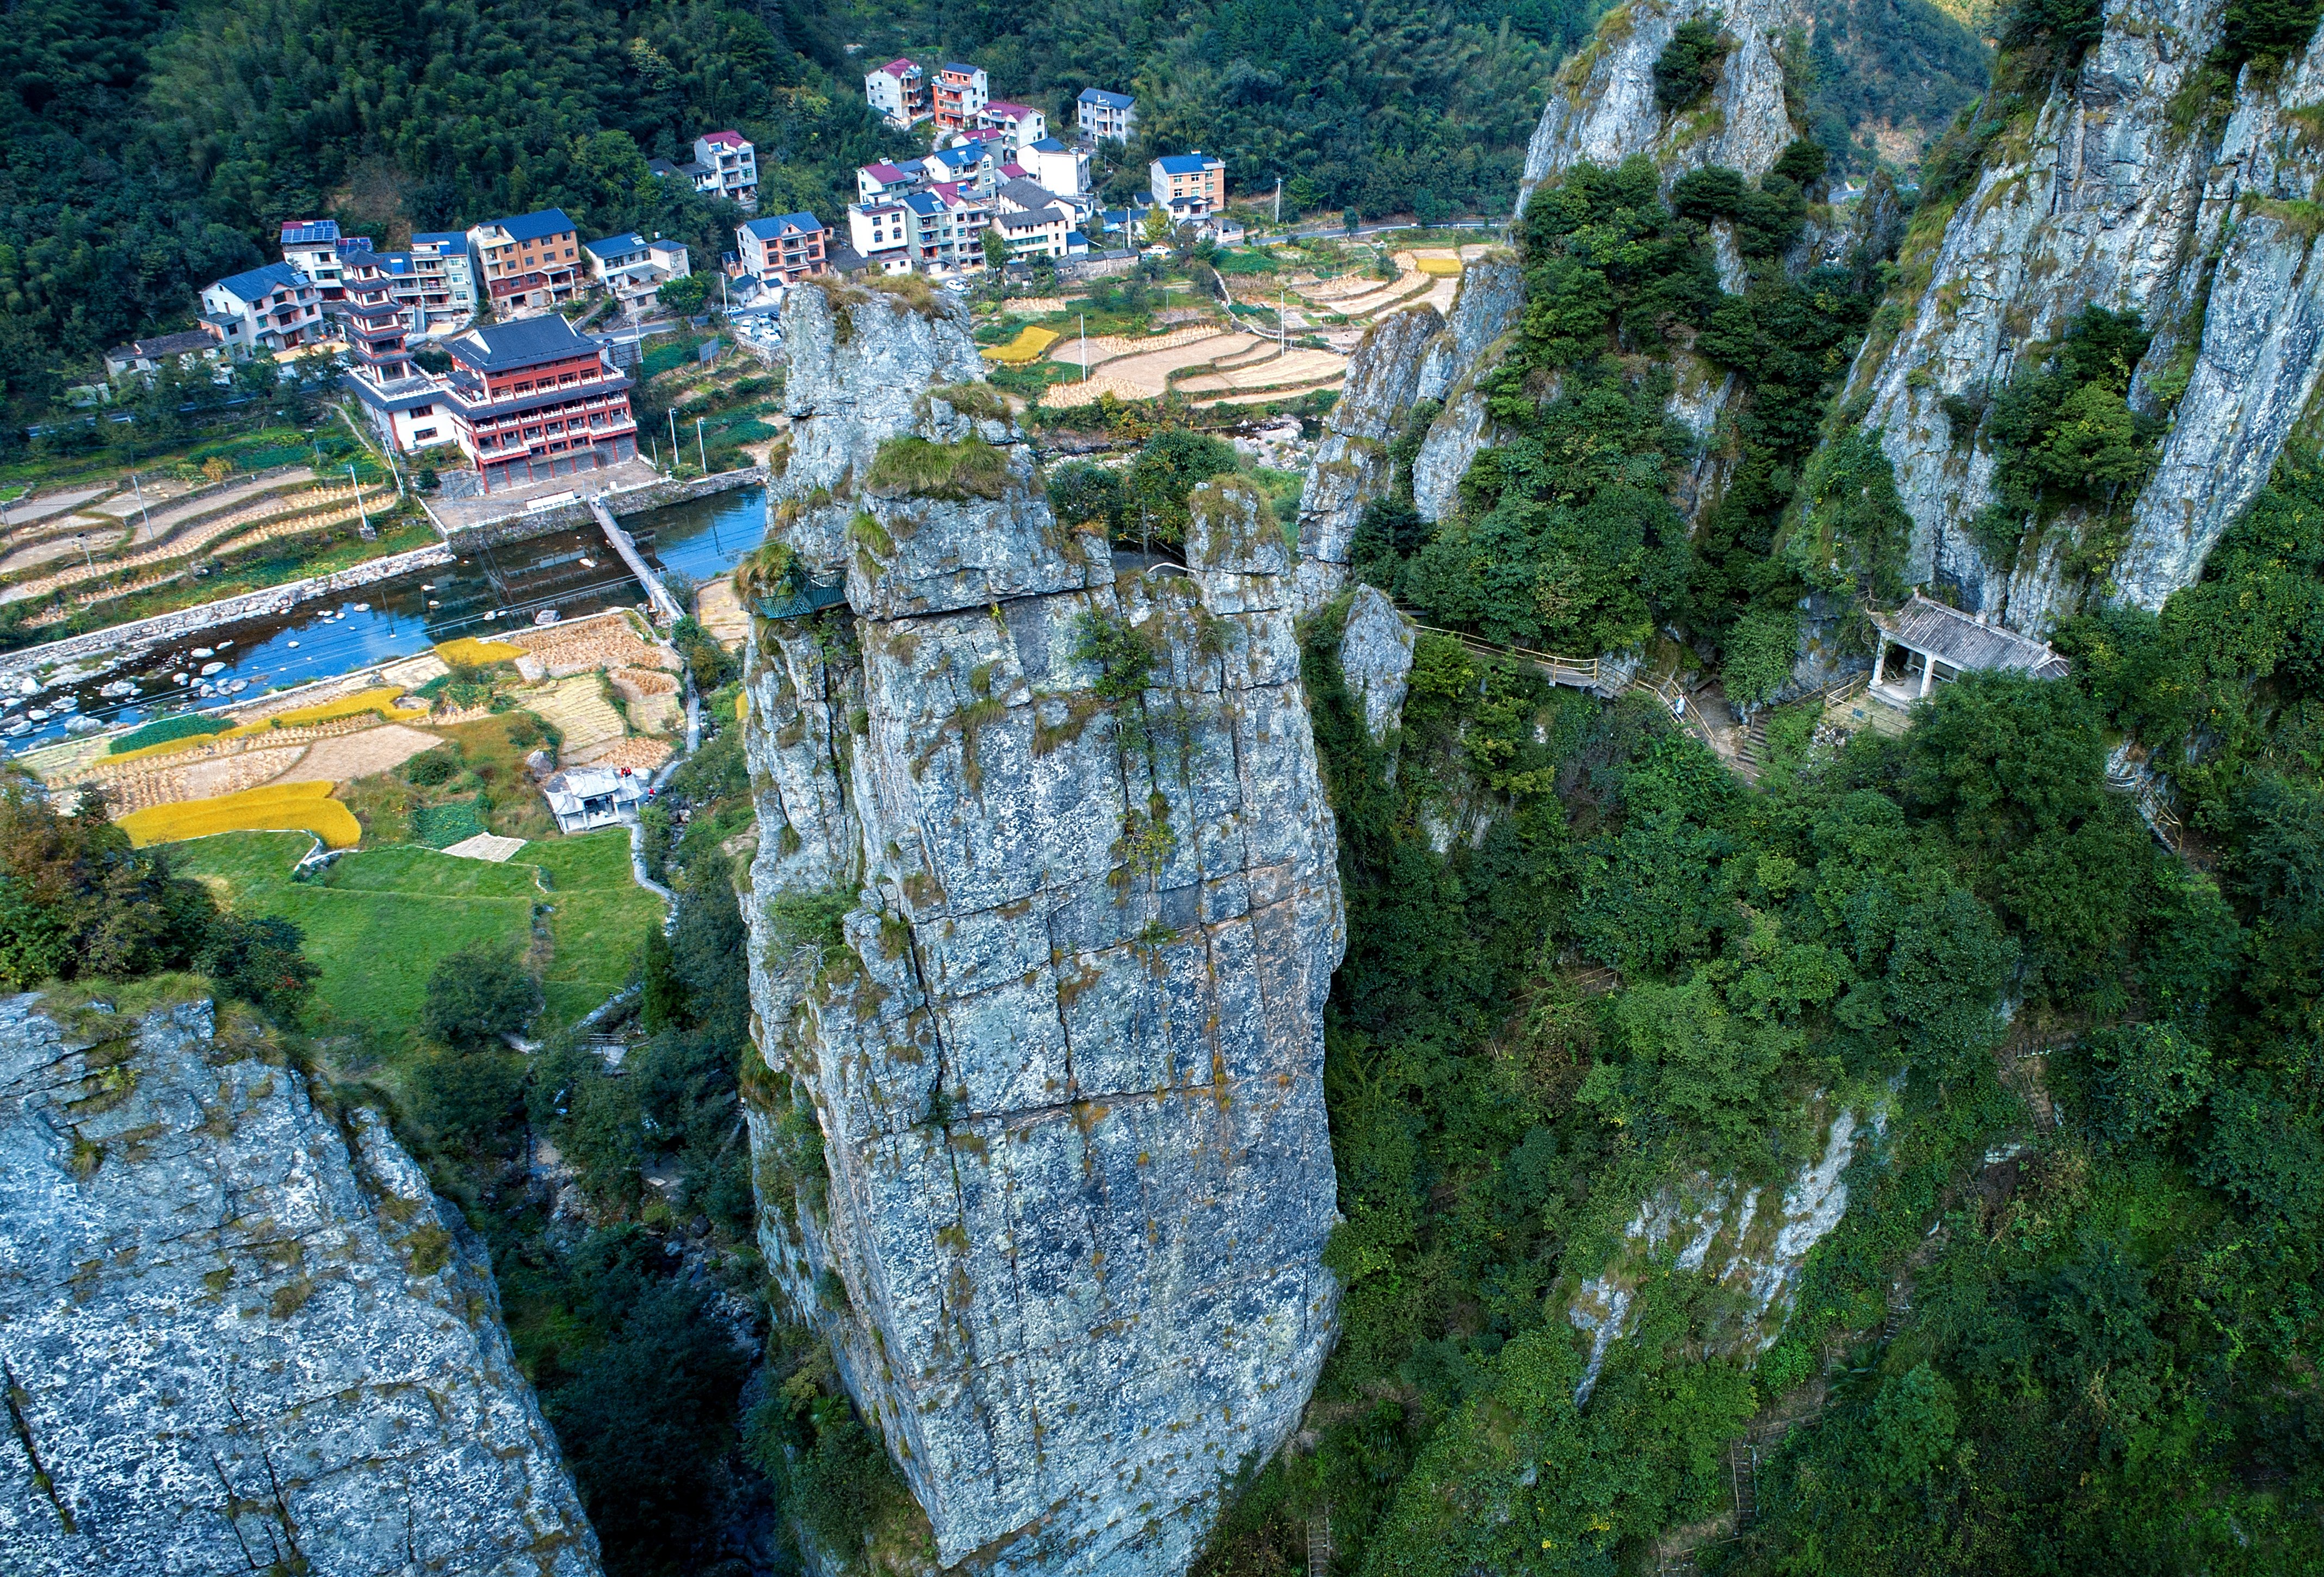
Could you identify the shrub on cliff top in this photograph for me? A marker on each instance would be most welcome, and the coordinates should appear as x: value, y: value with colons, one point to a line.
x: 911, y: 467
x: 1689, y: 66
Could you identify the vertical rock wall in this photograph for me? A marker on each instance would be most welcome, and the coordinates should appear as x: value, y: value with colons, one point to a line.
x: 241, y: 1336
x: 2123, y: 188
x: 1040, y: 1144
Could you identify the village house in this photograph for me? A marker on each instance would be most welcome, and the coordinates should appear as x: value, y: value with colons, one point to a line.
x: 146, y: 357
x: 312, y: 247
x: 975, y: 161
x: 961, y: 98
x: 783, y: 249
x: 875, y: 182
x: 269, y: 309
x: 1016, y: 124
x: 633, y: 268
x: 1189, y: 185
x: 898, y: 90
x: 1031, y: 221
x: 726, y: 164
x: 1109, y: 117
x: 532, y: 399
x: 1064, y: 171
x: 529, y: 263
x: 585, y: 798
x: 440, y: 260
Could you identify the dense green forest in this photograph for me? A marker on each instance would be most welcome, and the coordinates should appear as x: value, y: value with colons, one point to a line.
x: 2068, y: 1322
x: 147, y: 148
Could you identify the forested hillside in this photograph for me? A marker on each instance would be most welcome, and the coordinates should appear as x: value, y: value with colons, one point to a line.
x: 1405, y: 109
x: 149, y: 148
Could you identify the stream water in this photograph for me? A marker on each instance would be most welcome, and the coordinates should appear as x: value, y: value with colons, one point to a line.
x: 573, y: 572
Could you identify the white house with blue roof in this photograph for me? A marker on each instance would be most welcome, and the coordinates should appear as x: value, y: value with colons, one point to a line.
x: 268, y: 310
x: 1113, y: 116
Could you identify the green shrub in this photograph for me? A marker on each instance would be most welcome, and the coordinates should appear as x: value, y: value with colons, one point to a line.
x: 431, y: 769
x: 2268, y: 30
x: 913, y: 467
x: 476, y: 995
x: 1689, y: 66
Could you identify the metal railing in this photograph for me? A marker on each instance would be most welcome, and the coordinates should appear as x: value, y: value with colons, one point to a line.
x: 1587, y: 673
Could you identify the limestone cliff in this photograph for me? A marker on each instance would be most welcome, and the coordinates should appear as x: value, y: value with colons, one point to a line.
x: 2140, y: 184
x: 1042, y: 920
x: 1601, y: 110
x: 240, y: 1334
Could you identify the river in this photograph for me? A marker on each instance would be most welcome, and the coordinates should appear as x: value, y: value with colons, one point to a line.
x: 573, y: 572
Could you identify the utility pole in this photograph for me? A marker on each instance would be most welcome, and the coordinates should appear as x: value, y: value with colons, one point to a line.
x: 700, y: 454
x: 143, y: 516
x: 1283, y: 325
x: 1278, y: 199
x: 673, y: 440
x: 354, y: 482
x: 1085, y: 316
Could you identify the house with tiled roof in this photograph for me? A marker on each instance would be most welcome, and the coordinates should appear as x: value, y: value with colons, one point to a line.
x: 267, y: 311
x: 962, y: 93
x: 1062, y: 169
x: 783, y: 249
x: 529, y: 263
x: 1190, y: 185
x: 149, y: 356
x: 1016, y: 124
x: 1111, y: 116
x: 899, y: 91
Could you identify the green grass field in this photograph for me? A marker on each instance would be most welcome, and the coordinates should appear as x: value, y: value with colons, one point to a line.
x: 381, y: 918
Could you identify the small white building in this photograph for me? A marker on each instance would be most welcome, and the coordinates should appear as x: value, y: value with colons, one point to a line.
x: 1924, y: 644
x: 585, y: 797
x: 898, y: 90
x: 1056, y: 168
x: 632, y: 267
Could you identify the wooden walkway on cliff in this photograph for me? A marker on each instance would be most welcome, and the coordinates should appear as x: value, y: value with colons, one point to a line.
x: 1594, y: 674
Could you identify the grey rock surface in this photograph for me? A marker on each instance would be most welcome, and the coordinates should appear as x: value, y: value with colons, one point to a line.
x: 1376, y: 660
x: 241, y: 1335
x: 1040, y: 1145
x: 1350, y: 467
x: 1601, y: 110
x: 2106, y: 202
x: 1445, y: 455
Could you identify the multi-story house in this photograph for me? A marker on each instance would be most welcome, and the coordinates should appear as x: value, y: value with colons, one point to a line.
x: 783, y: 249
x: 533, y: 399
x: 883, y: 179
x: 440, y: 258
x: 1063, y: 172
x: 882, y: 230
x: 1031, y: 221
x: 529, y: 263
x: 1113, y: 116
x: 961, y: 98
x: 312, y: 247
x: 730, y: 162
x: 898, y: 90
x: 632, y: 267
x: 1189, y: 185
x: 268, y: 310
x: 1017, y: 123
x: 974, y: 162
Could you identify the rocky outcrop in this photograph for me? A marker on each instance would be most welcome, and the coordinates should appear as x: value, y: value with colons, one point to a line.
x: 1376, y: 660
x: 2127, y: 189
x: 1602, y: 110
x: 1737, y: 1236
x: 241, y: 1333
x: 1042, y: 916
x: 1350, y: 467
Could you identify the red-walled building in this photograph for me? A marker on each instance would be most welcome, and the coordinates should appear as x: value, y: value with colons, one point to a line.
x: 532, y: 399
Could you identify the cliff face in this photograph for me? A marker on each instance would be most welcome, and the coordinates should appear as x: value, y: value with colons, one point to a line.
x: 240, y: 1336
x: 2097, y: 196
x: 1601, y: 110
x: 1041, y: 1144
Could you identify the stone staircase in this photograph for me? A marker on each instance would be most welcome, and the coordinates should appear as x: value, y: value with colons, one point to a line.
x: 1319, y: 1550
